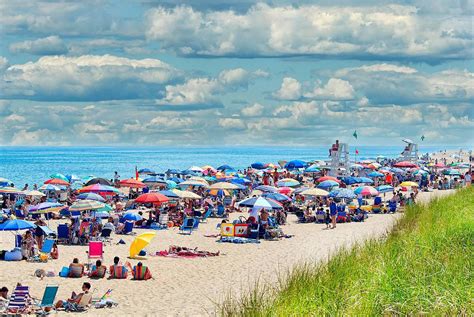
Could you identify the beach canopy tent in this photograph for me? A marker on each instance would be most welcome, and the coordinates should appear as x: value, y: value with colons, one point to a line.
x: 140, y: 242
x: 98, y: 180
x: 314, y: 192
x: 82, y: 205
x: 16, y: 224
x: 155, y: 198
x: 294, y: 164
x: 405, y: 164
x: 277, y: 196
x: 91, y: 196
x: 132, y: 183
x: 260, y: 202
x: 258, y: 166
x: 384, y: 188
x: 366, y: 191
x: 343, y: 193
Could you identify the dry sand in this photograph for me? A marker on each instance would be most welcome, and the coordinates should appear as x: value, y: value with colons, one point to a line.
x: 191, y: 287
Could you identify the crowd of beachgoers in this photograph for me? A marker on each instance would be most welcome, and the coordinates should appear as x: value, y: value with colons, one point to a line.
x: 250, y: 205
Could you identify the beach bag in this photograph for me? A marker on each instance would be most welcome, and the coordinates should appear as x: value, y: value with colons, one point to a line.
x: 64, y: 272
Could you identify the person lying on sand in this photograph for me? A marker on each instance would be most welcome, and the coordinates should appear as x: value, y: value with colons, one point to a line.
x: 183, y: 251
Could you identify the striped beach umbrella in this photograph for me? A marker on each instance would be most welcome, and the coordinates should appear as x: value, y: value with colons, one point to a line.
x: 82, y: 205
x: 366, y: 191
x: 314, y: 192
x: 10, y: 190
x: 260, y: 202
x: 46, y: 207
x: 91, y: 196
x: 288, y: 182
x: 98, y: 188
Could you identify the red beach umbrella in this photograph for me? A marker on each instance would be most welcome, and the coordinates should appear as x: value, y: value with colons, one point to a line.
x: 57, y: 181
x: 328, y: 178
x: 405, y: 164
x: 133, y: 183
x: 155, y: 198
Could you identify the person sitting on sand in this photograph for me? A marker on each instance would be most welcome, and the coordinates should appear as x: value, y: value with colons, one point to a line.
x: 98, y: 270
x: 75, y: 299
x: 3, y: 298
x: 140, y: 272
x: 76, y: 269
x: 117, y: 270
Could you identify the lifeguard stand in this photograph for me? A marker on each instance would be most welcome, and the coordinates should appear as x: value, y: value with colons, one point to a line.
x: 410, y: 152
x: 339, y: 159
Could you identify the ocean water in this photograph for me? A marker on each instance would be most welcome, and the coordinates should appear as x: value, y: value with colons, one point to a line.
x: 35, y: 164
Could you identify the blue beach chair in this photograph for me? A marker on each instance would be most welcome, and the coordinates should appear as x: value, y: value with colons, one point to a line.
x: 63, y: 233
x: 48, y: 298
x: 187, y: 226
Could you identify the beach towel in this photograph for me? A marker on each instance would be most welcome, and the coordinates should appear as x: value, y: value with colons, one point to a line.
x: 118, y: 271
x: 141, y: 273
x: 238, y: 240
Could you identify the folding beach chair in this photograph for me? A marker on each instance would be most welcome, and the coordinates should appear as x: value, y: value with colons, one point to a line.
x: 203, y: 219
x: 105, y: 235
x: 47, y: 246
x: 254, y: 230
x: 220, y: 211
x: 83, y: 304
x: 96, y: 250
x: 48, y: 298
x: 128, y: 227
x: 187, y: 226
x: 48, y: 232
x: 196, y: 223
x: 19, y: 300
x: 63, y: 233
x: 18, y: 240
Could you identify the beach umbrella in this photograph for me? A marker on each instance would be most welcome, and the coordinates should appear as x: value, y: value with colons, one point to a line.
x: 225, y: 167
x: 82, y: 205
x: 267, y: 188
x: 154, y: 180
x: 408, y: 184
x: 199, y: 179
x: 277, y: 196
x: 73, y: 178
x: 366, y: 191
x: 260, y: 202
x: 374, y: 166
x: 145, y: 171
x: 155, y: 198
x: 258, y: 166
x: 140, y: 242
x: 451, y: 172
x: 224, y: 185
x: 196, y: 169
x: 171, y: 184
x: 185, y: 194
x: 57, y: 181
x: 328, y: 178
x: 420, y: 171
x: 34, y: 193
x: 45, y: 208
x: 285, y: 190
x: 256, y: 192
x: 362, y: 180
x: 10, y: 190
x: 132, y: 183
x: 314, y: 192
x: 98, y: 188
x: 59, y: 176
x: 294, y: 164
x: 168, y: 193
x: 375, y: 174
x: 16, y: 224
x: 98, y: 180
x: 299, y: 190
x: 312, y: 169
x: 343, y: 193
x: 5, y: 182
x: 176, y: 179
x: 328, y: 184
x: 242, y: 181
x: 405, y: 164
x: 208, y: 169
x: 91, y: 196
x: 49, y: 187
x: 218, y: 192
x: 357, y: 166
x: 193, y: 183
x: 384, y: 188
x: 131, y: 216
x: 106, y: 208
x: 288, y: 182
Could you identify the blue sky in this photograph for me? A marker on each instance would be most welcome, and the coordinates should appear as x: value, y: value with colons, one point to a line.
x: 235, y: 72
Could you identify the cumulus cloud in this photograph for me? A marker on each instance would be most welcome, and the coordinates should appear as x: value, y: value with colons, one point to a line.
x: 87, y: 78
x: 254, y: 110
x: 335, y: 89
x: 51, y: 45
x: 383, y: 32
x: 290, y: 89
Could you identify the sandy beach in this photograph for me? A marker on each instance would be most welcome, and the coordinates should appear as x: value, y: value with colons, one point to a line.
x: 192, y: 287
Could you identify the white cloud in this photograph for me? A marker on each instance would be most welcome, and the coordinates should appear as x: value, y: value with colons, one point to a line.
x: 232, y: 123
x: 335, y: 89
x: 386, y: 31
x: 87, y: 77
x: 254, y: 110
x: 290, y: 89
x: 51, y: 45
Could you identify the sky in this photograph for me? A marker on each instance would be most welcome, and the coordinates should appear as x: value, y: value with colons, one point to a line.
x: 236, y: 72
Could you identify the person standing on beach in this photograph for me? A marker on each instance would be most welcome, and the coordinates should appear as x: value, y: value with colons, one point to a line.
x: 333, y: 212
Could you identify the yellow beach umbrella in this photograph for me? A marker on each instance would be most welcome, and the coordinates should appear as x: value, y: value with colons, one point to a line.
x: 315, y: 192
x: 409, y: 184
x: 140, y: 242
x: 224, y: 185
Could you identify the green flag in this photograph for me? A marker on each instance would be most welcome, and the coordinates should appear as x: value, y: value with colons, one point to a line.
x: 354, y: 134
x: 422, y: 138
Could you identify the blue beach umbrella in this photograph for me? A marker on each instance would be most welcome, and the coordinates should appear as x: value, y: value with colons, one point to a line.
x: 16, y: 224
x: 258, y: 165
x: 384, y: 188
x: 132, y: 216
x: 259, y: 202
x: 145, y: 171
x: 225, y: 168
x: 154, y: 180
x: 266, y: 188
x: 5, y: 182
x: 91, y: 196
x: 342, y: 193
x: 328, y: 184
x: 294, y: 164
x: 364, y: 180
x: 375, y: 174
x: 312, y: 169
x: 277, y: 196
x: 169, y: 193
x: 171, y: 184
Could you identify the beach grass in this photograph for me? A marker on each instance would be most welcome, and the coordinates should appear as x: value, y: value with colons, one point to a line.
x: 424, y: 265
